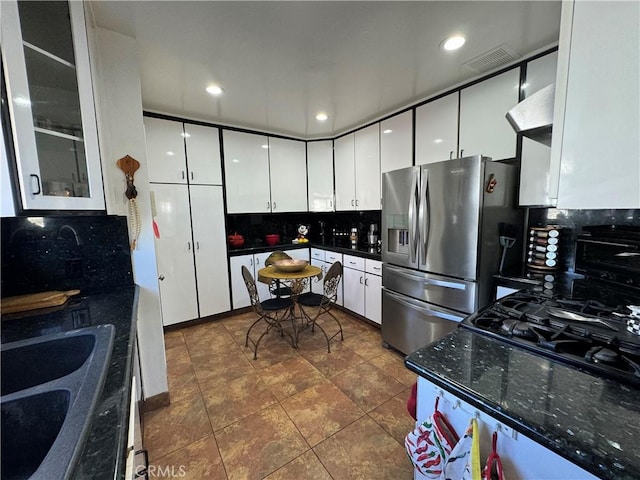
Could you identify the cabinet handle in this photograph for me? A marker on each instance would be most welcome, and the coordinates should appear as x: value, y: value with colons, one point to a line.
x: 161, y: 278
x: 33, y: 175
x: 352, y: 203
x: 189, y: 246
x: 366, y: 282
x: 461, y: 152
x: 268, y: 205
x: 274, y: 205
x: 197, y: 245
x: 356, y: 203
x: 451, y: 155
x: 360, y: 280
x: 330, y: 203
x: 191, y: 175
x: 182, y: 173
x: 251, y: 262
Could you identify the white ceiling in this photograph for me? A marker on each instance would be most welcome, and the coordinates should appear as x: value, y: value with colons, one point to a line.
x: 282, y: 62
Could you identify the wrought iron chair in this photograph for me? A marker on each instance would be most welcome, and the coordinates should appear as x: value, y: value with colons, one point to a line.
x: 323, y: 303
x: 273, y: 312
x: 276, y: 289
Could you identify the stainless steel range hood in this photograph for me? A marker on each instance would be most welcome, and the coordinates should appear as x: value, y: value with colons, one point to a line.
x: 533, y: 117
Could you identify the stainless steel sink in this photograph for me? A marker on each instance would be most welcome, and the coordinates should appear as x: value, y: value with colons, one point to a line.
x: 49, y: 386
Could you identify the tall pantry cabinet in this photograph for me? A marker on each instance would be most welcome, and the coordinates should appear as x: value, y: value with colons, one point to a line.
x: 188, y: 208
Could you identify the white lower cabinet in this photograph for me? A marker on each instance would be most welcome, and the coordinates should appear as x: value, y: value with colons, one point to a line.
x: 238, y: 288
x: 324, y: 259
x: 363, y: 287
x: 191, y: 263
x: 521, y: 456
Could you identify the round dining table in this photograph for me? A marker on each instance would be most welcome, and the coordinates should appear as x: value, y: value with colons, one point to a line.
x: 296, y: 281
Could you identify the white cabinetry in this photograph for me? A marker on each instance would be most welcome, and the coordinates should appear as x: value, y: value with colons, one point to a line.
x: 264, y: 174
x: 246, y: 163
x: 46, y: 63
x: 363, y: 287
x: 437, y: 130
x: 323, y: 259
x: 396, y: 142
x: 357, y: 170
x: 484, y: 128
x: 167, y: 142
x: 288, y: 175
x: 595, y: 150
x: 320, y: 175
x: 534, y: 171
x: 189, y: 262
x: 239, y: 289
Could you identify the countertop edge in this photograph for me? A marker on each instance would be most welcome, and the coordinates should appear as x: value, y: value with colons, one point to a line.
x: 292, y: 246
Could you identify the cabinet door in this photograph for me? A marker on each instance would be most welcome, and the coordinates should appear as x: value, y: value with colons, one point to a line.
x: 203, y: 154
x: 353, y: 290
x: 535, y: 156
x: 345, y: 173
x: 288, y: 173
x: 165, y: 151
x: 207, y: 218
x: 599, y: 146
x: 437, y: 130
x: 55, y: 137
x: 367, y: 161
x: 484, y: 128
x: 174, y: 254
x: 246, y: 162
x: 396, y: 142
x: 373, y: 298
x: 238, y: 288
x: 317, y: 286
x: 258, y: 263
x: 320, y: 175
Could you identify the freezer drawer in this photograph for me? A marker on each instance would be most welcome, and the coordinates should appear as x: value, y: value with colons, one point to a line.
x: 409, y: 324
x: 450, y: 292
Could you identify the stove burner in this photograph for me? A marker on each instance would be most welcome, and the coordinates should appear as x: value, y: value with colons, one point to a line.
x: 605, y: 355
x: 518, y: 329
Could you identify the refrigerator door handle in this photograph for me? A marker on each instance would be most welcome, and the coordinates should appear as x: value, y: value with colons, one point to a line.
x: 413, y: 226
x: 423, y: 216
x: 426, y: 310
x: 427, y: 281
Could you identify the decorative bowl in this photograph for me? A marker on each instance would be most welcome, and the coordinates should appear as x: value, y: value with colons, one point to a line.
x: 290, y: 266
x: 272, y: 239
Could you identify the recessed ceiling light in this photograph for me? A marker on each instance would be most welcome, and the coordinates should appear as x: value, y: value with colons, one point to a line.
x: 321, y: 117
x: 214, y: 89
x: 438, y: 140
x: 453, y: 43
x: 171, y: 154
x: 265, y: 146
x: 388, y: 130
x: 185, y: 134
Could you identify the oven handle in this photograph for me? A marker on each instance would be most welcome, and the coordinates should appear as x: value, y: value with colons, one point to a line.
x: 635, y: 247
x: 420, y: 309
x: 428, y: 281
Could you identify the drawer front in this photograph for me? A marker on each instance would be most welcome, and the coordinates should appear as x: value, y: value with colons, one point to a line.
x: 332, y: 257
x: 317, y: 254
x: 373, y: 266
x: 357, y: 263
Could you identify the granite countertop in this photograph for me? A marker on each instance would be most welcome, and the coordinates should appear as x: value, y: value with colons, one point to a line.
x: 591, y: 421
x: 104, y: 452
x: 364, y: 252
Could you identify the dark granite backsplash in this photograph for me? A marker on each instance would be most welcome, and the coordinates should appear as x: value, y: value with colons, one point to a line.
x: 254, y: 227
x: 572, y: 222
x: 90, y: 253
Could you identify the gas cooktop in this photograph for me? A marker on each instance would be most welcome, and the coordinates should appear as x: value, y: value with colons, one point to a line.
x: 586, y: 329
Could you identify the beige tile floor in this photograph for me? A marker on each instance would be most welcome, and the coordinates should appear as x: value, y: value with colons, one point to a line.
x: 290, y: 414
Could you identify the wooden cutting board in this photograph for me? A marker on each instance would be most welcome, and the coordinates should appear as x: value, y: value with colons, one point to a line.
x: 33, y: 301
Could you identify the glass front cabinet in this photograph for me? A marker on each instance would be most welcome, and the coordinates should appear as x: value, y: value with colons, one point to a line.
x: 46, y: 66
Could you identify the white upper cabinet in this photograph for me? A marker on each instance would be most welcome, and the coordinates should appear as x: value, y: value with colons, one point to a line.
x: 595, y: 157
x: 320, y: 175
x: 396, y: 142
x: 46, y: 63
x: 534, y: 170
x: 484, y: 128
x: 367, y: 165
x: 288, y: 173
x: 165, y: 151
x: 246, y: 162
x: 437, y: 130
x: 167, y: 142
x: 345, y: 172
x: 203, y: 154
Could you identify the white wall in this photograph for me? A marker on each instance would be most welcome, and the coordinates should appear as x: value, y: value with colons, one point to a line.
x: 121, y: 132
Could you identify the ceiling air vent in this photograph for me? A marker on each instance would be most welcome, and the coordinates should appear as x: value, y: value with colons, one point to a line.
x: 492, y: 59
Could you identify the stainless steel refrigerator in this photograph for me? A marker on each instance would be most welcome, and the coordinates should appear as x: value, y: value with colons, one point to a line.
x: 441, y: 247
